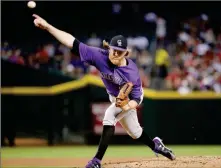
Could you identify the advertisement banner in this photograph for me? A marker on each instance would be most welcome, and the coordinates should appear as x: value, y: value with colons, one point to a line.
x: 98, y: 111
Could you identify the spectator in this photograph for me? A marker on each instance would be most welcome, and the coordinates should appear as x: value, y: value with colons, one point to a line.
x: 144, y: 60
x: 42, y: 58
x: 94, y: 41
x: 144, y: 78
x: 160, y: 69
x: 4, y: 54
x: 173, y: 80
x: 133, y: 54
x: 16, y: 57
x: 50, y: 49
x: 160, y: 30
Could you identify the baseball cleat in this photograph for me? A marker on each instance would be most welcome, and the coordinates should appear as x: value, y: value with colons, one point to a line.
x: 94, y: 163
x: 161, y: 149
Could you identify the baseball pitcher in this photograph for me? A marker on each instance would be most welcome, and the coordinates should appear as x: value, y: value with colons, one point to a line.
x: 121, y: 78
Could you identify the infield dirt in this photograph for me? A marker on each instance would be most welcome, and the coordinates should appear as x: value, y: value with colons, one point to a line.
x: 187, y: 162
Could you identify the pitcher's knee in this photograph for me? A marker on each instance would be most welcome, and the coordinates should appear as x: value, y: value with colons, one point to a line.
x: 136, y: 133
x: 109, y: 122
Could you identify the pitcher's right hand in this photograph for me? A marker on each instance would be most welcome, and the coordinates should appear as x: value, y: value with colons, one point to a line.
x: 40, y: 22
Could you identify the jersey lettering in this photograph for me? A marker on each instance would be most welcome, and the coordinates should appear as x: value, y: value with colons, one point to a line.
x: 115, y: 79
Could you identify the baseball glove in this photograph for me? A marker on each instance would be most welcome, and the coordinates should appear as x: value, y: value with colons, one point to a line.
x: 122, y: 98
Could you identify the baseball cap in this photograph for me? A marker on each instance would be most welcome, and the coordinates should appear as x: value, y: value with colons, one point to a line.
x: 119, y: 42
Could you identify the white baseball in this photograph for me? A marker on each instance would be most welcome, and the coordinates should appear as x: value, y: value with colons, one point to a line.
x: 31, y: 4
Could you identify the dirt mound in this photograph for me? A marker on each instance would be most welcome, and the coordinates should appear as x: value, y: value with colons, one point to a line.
x: 180, y: 162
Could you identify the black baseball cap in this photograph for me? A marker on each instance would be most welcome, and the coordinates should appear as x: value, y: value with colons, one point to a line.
x: 118, y: 42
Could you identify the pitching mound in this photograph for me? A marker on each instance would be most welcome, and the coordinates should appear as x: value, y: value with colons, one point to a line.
x: 188, y: 162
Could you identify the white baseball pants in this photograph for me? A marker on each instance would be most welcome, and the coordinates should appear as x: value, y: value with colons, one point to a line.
x: 128, y: 119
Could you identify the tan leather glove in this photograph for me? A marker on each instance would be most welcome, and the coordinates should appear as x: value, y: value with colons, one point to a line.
x: 122, y: 98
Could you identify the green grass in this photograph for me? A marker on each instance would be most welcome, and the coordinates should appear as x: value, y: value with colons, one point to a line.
x: 113, y: 151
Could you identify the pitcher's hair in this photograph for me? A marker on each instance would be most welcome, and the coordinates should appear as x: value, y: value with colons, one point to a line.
x: 106, y: 45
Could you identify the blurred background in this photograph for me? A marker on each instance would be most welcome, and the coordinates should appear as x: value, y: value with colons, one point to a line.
x: 176, y: 46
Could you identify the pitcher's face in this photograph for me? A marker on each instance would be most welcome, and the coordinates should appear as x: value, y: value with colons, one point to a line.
x: 116, y: 56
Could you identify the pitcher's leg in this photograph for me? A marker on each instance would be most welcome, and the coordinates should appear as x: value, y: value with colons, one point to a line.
x: 131, y: 124
x: 109, y: 123
x: 110, y: 115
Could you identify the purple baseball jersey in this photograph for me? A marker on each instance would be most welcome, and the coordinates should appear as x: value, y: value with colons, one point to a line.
x: 112, y: 76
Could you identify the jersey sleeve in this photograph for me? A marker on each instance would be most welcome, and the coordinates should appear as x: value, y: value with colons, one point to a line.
x: 89, y: 54
x: 137, y: 93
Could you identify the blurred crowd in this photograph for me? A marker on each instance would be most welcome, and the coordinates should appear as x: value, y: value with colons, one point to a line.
x: 191, y: 63
x: 197, y: 62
